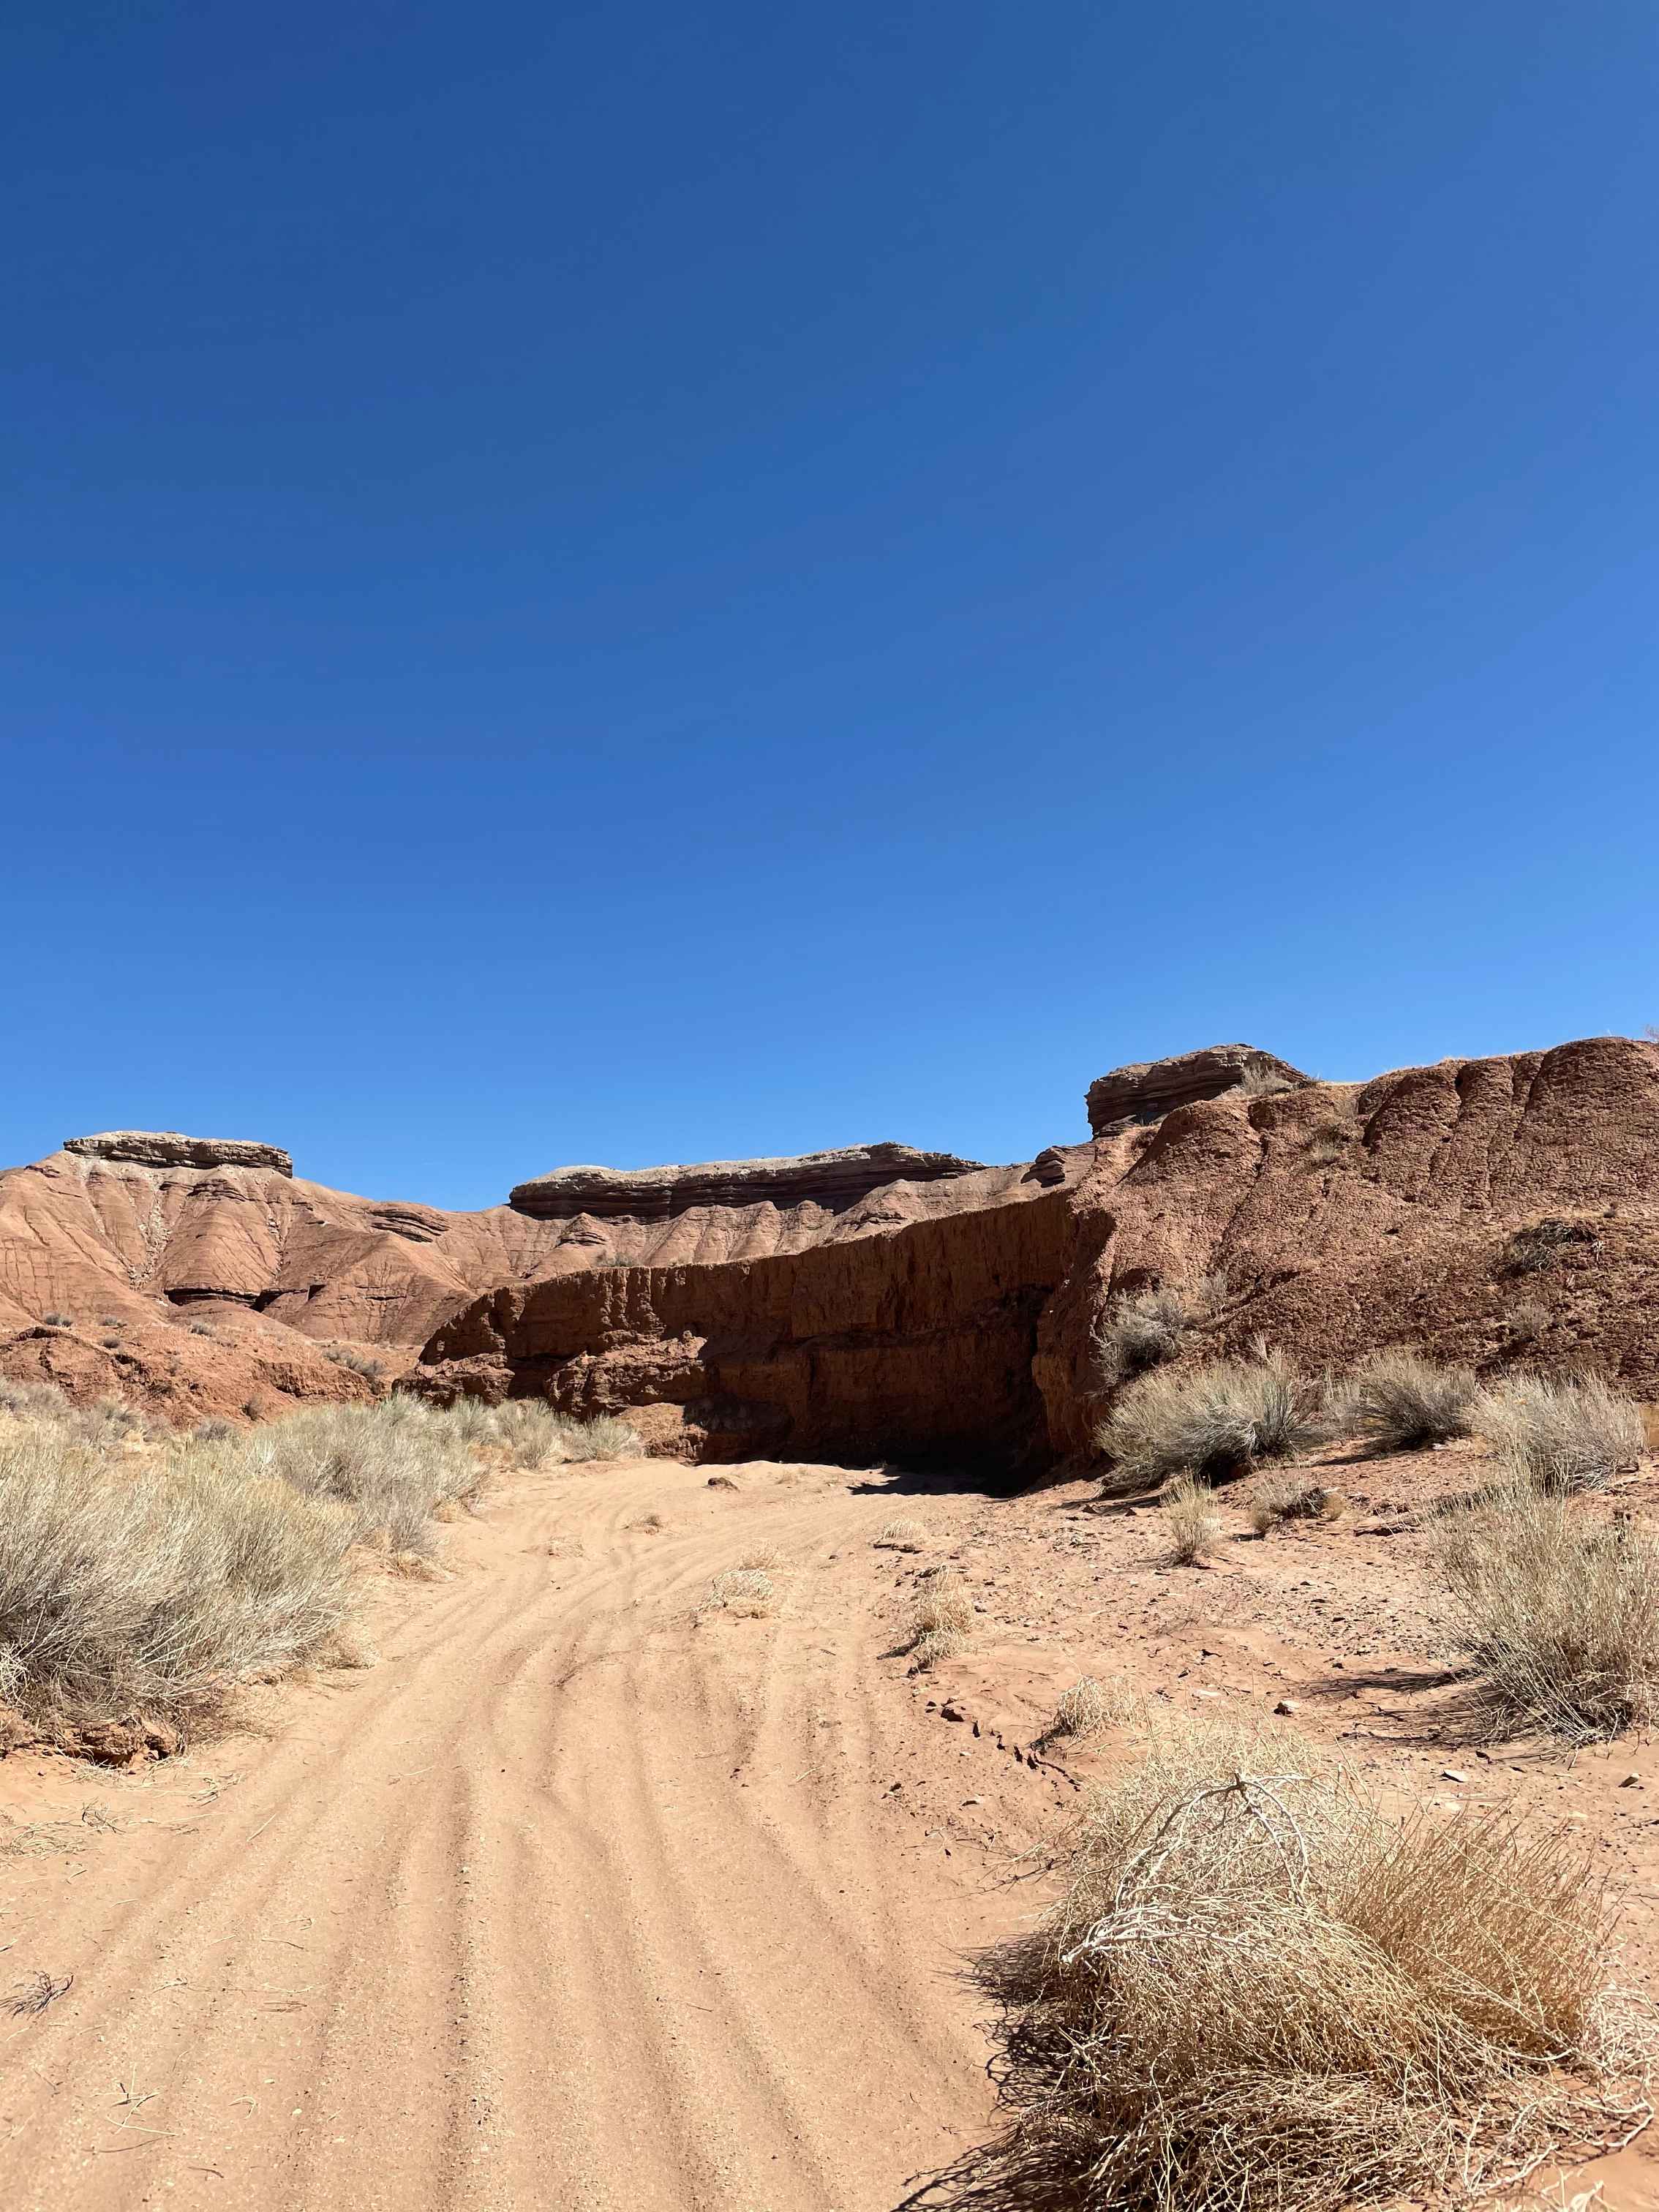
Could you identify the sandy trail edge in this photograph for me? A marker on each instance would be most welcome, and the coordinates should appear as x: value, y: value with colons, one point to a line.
x: 576, y: 1900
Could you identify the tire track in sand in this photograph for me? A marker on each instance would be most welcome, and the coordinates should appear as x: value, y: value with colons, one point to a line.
x: 579, y: 1900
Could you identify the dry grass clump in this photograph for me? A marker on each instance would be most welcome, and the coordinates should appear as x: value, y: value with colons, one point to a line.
x: 358, y: 1363
x: 1261, y: 1081
x: 1143, y: 1329
x: 745, y: 1591
x: 1090, y: 1705
x: 33, y: 1401
x: 1139, y: 1331
x: 900, y: 1535
x: 606, y: 1437
x: 1190, y: 1521
x: 1295, y: 1501
x: 940, y: 1617
x: 1396, y: 1401
x: 1211, y: 1422
x: 934, y: 1644
x: 760, y: 1557
x: 1537, y: 1249
x: 153, y: 1587
x: 1562, y: 1436
x: 1559, y: 1611
x: 387, y: 1466
x: 1257, y: 1988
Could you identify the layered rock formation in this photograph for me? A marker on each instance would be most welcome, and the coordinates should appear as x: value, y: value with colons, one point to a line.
x: 1497, y: 1211
x: 915, y: 1343
x: 834, y: 1181
x: 1148, y: 1089
x: 171, y: 1148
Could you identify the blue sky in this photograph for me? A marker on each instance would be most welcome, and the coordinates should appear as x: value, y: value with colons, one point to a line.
x: 632, y: 584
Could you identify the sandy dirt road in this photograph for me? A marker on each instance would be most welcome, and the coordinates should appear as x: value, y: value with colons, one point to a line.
x: 576, y: 1900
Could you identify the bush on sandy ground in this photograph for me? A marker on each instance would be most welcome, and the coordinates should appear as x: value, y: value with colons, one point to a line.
x: 900, y: 1535
x: 1296, y: 1501
x: 1210, y: 1421
x: 1190, y: 1521
x: 386, y: 1465
x: 537, y: 1436
x: 1090, y: 1705
x: 1562, y: 1436
x: 153, y: 1586
x: 1559, y: 1611
x: 748, y: 1592
x: 1396, y: 1401
x: 940, y: 1617
x: 1258, y: 1990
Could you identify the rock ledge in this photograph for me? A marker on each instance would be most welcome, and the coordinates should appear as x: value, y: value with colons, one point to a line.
x: 832, y: 1179
x: 170, y: 1148
x: 1149, y: 1088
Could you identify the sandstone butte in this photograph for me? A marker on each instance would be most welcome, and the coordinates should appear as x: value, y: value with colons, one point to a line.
x: 877, y: 1301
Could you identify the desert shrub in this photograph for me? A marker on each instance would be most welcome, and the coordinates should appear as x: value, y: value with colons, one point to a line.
x: 387, y: 1465
x: 761, y: 1557
x: 1261, y: 1081
x: 940, y: 1617
x: 1329, y: 1143
x: 1558, y: 1611
x: 58, y: 1321
x: 900, y: 1535
x: 1141, y: 1329
x: 1537, y: 1249
x: 748, y: 1592
x: 33, y: 1401
x: 358, y: 1363
x: 1258, y: 1989
x: 473, y: 1421
x: 1210, y: 1421
x: 153, y: 1588
x: 1088, y: 1706
x: 1296, y: 1501
x: 1190, y: 1521
x: 1396, y: 1401
x: 200, y: 1328
x: 934, y: 1644
x: 1528, y: 1320
x: 1137, y: 1331
x: 1563, y: 1436
x: 604, y: 1437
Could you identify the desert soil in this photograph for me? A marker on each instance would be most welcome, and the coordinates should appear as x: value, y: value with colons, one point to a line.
x: 586, y: 1895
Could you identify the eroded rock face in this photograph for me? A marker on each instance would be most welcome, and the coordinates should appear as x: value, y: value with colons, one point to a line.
x: 914, y: 1342
x: 926, y: 1319
x: 834, y: 1181
x: 1149, y: 1088
x: 170, y: 1148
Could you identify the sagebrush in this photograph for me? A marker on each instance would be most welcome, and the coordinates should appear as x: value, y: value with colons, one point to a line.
x: 1397, y: 1402
x: 1259, y: 1989
x: 1564, y: 1436
x: 153, y: 1587
x: 1557, y: 1609
x: 1211, y: 1421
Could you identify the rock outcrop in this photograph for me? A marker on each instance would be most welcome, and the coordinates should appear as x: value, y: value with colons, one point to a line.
x: 913, y: 1342
x: 1148, y: 1089
x: 834, y: 1181
x: 1496, y: 1212
x: 170, y: 1148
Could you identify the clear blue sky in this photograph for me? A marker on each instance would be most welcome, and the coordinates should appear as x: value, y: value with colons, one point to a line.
x: 635, y: 583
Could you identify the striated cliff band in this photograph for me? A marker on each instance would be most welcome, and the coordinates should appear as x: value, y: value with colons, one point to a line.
x: 879, y: 1302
